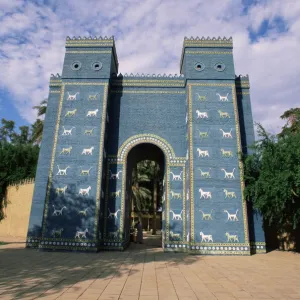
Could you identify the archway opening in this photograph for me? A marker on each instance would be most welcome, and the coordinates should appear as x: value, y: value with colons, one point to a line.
x: 145, y: 172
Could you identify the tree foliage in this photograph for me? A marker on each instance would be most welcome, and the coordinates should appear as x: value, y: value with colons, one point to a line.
x: 38, y: 126
x: 145, y: 187
x: 18, y: 157
x: 272, y: 173
x: 292, y: 126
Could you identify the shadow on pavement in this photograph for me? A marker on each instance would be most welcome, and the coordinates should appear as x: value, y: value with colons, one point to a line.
x: 33, y: 274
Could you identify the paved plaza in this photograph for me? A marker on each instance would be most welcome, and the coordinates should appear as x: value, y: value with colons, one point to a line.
x: 144, y: 272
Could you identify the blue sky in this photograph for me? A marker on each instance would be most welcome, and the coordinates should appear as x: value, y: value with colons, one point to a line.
x: 149, y: 36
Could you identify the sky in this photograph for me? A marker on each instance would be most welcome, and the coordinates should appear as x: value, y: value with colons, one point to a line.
x: 149, y: 36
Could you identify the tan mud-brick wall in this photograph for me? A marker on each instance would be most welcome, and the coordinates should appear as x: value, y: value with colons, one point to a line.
x: 17, y: 211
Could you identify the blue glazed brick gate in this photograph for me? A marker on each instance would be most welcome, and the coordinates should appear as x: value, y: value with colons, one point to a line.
x: 200, y: 120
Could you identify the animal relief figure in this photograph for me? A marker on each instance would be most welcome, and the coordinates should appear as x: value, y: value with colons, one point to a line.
x: 175, y: 195
x: 61, y: 190
x: 205, y: 174
x: 176, y: 216
x: 176, y: 177
x: 72, y: 97
x: 57, y: 233
x: 202, y: 153
x: 231, y: 217
x: 226, y: 135
x: 92, y: 113
x: 200, y: 97
x: 231, y: 237
x: 84, y: 192
x: 229, y: 175
x: 226, y: 153
x: 58, y: 212
x: 114, y: 175
x: 114, y: 234
x: 203, y: 134
x: 204, y: 195
x: 67, y: 131
x: 116, y: 194
x: 62, y: 171
x: 81, y: 234
x: 93, y: 97
x: 223, y: 114
x: 66, y: 150
x: 87, y: 151
x: 113, y: 215
x: 201, y: 115
x: 85, y: 172
x: 223, y: 98
x: 83, y: 212
x: 174, y: 236
x: 89, y: 131
x: 71, y: 113
x: 206, y: 216
x: 229, y: 194
x: 206, y: 237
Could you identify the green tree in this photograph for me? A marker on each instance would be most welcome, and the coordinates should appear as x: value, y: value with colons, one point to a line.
x: 38, y: 126
x: 292, y: 126
x: 141, y: 195
x: 18, y: 157
x: 146, y: 189
x: 153, y: 172
x: 272, y: 174
x: 7, y: 130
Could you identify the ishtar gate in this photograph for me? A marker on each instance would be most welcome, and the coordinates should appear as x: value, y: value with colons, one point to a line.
x: 99, y: 124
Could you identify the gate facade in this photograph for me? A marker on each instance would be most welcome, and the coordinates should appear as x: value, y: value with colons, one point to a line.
x: 201, y: 120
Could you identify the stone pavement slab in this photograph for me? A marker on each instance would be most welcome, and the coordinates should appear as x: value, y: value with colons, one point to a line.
x: 145, y: 273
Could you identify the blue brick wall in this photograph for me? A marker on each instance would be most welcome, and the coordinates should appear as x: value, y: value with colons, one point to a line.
x: 77, y: 161
x: 217, y: 120
x: 210, y: 58
x: 86, y: 57
x: 40, y: 187
x: 218, y: 220
x: 147, y: 112
x: 256, y: 232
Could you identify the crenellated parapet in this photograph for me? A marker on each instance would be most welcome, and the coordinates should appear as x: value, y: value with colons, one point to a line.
x: 150, y: 80
x: 242, y: 81
x: 207, y: 38
x: 100, y: 38
x: 90, y: 42
x: 55, y: 76
x: 55, y: 80
x: 142, y: 75
x: 208, y: 42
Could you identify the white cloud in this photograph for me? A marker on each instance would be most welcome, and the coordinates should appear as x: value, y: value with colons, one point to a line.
x: 149, y: 36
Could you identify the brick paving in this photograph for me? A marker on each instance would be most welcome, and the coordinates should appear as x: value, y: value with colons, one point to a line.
x: 144, y: 272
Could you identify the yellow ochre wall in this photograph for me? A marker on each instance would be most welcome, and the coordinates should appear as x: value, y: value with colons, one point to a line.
x: 17, y: 211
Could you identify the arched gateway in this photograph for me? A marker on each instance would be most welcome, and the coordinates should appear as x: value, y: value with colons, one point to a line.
x: 98, y: 124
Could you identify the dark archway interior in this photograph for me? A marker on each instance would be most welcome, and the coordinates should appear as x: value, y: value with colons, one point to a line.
x: 137, y: 154
x: 146, y: 151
